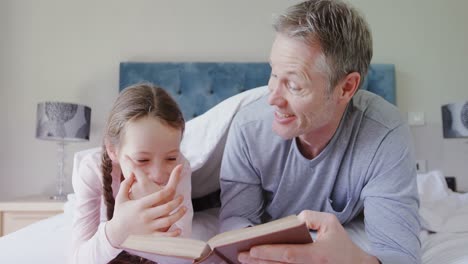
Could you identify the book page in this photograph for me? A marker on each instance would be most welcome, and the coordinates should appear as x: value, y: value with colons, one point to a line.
x: 212, y: 258
x: 168, y: 246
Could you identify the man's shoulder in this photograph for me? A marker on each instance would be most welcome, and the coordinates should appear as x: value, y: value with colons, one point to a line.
x: 257, y: 111
x: 254, y: 123
x: 377, y: 110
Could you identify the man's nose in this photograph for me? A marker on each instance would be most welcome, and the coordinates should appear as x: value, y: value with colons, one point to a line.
x: 275, y: 97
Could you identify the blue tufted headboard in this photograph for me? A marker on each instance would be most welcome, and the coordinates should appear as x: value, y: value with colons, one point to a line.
x: 198, y: 86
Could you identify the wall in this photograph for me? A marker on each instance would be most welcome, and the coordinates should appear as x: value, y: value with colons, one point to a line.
x: 428, y: 42
x: 70, y: 51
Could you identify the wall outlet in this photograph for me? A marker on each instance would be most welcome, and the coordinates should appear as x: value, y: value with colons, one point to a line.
x: 416, y: 119
x: 421, y: 166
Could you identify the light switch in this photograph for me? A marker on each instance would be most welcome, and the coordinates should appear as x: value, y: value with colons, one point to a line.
x: 416, y: 118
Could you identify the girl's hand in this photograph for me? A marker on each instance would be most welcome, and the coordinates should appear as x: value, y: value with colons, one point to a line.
x: 142, y: 186
x: 148, y: 215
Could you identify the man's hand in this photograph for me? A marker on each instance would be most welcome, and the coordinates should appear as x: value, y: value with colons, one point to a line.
x: 333, y: 245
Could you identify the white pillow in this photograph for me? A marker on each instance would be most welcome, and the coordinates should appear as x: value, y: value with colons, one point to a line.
x: 205, y: 136
x: 441, y: 209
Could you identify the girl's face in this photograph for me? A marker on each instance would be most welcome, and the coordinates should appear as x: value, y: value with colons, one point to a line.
x: 152, y: 146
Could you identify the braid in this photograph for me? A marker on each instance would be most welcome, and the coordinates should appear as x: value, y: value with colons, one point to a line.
x: 106, y: 168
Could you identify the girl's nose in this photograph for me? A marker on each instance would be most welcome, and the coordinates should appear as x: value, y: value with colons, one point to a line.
x: 154, y: 173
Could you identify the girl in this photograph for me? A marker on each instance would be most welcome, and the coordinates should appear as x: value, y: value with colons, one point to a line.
x: 138, y: 184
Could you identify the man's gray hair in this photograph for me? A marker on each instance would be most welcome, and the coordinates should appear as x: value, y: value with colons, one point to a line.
x: 341, y: 32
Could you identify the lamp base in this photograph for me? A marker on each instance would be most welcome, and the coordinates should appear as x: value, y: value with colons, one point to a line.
x: 58, y: 197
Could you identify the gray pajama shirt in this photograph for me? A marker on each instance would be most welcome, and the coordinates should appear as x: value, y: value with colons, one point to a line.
x: 368, y: 166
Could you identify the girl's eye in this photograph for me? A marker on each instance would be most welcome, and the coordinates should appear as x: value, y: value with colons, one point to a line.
x: 142, y: 160
x: 172, y: 158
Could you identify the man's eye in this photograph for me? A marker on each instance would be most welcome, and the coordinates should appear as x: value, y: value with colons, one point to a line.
x: 293, y: 87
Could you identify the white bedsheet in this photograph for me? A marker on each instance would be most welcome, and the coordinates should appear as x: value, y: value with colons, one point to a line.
x: 48, y: 241
x: 444, y: 248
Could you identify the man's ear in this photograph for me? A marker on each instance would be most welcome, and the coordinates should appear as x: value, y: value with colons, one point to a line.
x: 349, y: 86
x: 111, y: 151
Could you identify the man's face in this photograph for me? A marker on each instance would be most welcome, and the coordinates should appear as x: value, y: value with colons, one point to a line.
x: 299, y: 90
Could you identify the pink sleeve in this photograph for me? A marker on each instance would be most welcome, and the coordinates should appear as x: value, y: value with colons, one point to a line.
x: 89, y: 241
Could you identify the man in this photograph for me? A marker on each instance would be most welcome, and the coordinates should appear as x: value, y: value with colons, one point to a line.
x: 318, y: 147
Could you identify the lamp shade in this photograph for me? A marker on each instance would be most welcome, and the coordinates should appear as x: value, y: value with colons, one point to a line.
x: 63, y: 121
x: 455, y: 120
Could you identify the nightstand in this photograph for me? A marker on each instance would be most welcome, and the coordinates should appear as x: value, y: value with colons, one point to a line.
x: 16, y: 214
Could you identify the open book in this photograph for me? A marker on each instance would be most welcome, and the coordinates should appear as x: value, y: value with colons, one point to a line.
x: 223, y: 248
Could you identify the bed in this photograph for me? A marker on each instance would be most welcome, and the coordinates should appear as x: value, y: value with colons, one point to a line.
x: 199, y: 88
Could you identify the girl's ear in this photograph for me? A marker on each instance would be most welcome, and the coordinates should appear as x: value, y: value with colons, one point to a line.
x: 111, y: 151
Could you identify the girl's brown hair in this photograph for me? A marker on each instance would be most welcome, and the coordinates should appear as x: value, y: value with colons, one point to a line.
x: 134, y: 102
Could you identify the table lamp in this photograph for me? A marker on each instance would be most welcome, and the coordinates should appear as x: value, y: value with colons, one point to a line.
x: 455, y: 120
x: 62, y: 122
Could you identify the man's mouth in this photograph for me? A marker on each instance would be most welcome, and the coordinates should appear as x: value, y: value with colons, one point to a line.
x: 282, y: 115
x: 284, y: 119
